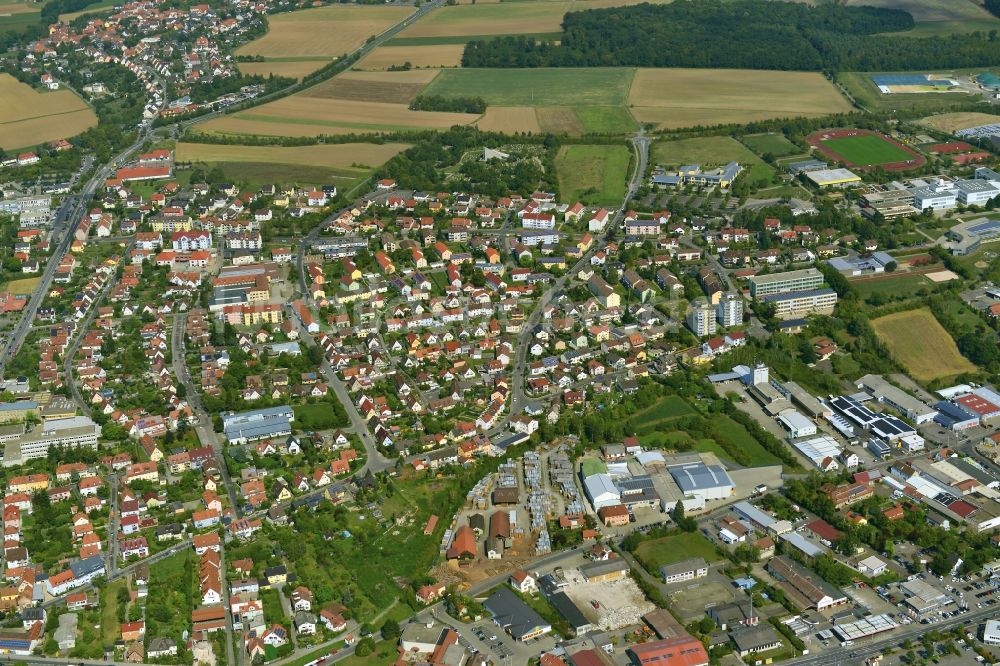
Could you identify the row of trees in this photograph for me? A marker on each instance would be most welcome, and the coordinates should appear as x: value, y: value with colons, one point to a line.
x: 744, y: 34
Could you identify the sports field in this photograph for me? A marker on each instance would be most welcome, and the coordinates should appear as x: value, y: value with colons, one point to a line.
x: 952, y: 122
x: 593, y: 174
x: 321, y: 34
x: 432, y: 55
x: 917, y: 341
x: 24, y: 286
x: 29, y: 117
x: 864, y: 148
x: 676, y: 98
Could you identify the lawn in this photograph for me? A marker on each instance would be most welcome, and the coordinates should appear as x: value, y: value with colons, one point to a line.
x: 775, y: 144
x: 171, y: 598
x: 667, y: 407
x: 562, y: 86
x: 109, y: 612
x: 320, y: 415
x: 605, y: 119
x: 918, y: 342
x: 595, y: 175
x: 709, y: 150
x: 23, y: 286
x: 736, y: 436
x: 655, y: 553
x: 867, y: 150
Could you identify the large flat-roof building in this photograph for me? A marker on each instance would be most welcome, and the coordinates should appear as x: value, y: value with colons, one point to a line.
x: 797, y: 303
x: 72, y: 433
x: 258, y: 424
x: 781, y: 283
x: 897, y: 398
x: 833, y: 177
x: 967, y: 237
x: 709, y: 482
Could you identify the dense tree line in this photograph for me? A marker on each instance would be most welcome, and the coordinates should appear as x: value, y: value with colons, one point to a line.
x: 743, y: 34
x: 448, y: 104
x: 992, y: 6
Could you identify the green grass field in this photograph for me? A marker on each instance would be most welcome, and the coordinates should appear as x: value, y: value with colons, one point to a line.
x: 775, y: 144
x: 655, y: 553
x: 736, y: 435
x: 903, y: 284
x: 867, y: 150
x: 709, y: 151
x: 605, y: 119
x: 109, y: 612
x: 255, y: 174
x: 573, y: 87
x: 593, y: 174
x: 864, y: 91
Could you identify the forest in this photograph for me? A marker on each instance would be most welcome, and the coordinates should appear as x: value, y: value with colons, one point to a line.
x: 742, y: 34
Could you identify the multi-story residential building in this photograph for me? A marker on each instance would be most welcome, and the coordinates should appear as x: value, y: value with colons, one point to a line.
x: 781, y: 283
x: 701, y: 318
x: 798, y: 303
x: 729, y: 311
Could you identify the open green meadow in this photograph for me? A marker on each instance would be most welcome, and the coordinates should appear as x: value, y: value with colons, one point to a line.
x: 867, y: 150
x: 557, y: 86
x: 595, y: 175
x: 775, y: 144
x: 656, y: 553
x: 708, y: 151
x: 901, y: 284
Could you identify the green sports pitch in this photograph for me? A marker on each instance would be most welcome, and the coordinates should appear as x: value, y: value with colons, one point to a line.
x: 867, y: 150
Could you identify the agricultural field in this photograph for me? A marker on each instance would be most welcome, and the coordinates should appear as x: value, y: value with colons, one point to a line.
x: 97, y: 7
x: 388, y: 87
x: 16, y: 14
x: 29, y: 117
x: 317, y: 164
x: 319, y: 35
x: 655, y: 553
x: 593, y: 174
x: 939, y: 17
x: 303, y: 115
x: 708, y: 151
x: 510, y: 119
x: 775, y: 144
x: 568, y: 86
x: 469, y: 22
x: 952, y: 122
x: 431, y: 55
x: 677, y: 98
x: 917, y: 341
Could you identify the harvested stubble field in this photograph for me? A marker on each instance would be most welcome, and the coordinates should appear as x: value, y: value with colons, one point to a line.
x: 557, y: 86
x: 295, y: 69
x: 433, y: 55
x: 358, y: 156
x: 921, y: 345
x: 388, y: 87
x: 510, y: 119
x: 299, y: 115
x: 322, y: 32
x: 675, y: 98
x: 952, y: 122
x: 468, y: 20
x: 29, y: 117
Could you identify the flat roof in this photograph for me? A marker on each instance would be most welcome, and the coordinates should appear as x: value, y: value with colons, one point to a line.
x: 787, y: 275
x: 699, y: 476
